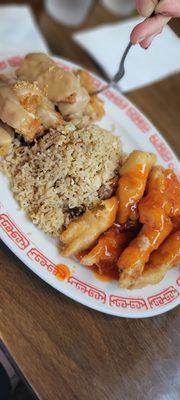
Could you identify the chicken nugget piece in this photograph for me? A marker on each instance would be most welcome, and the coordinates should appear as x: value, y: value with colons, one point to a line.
x: 163, y: 196
x: 132, y: 182
x: 172, y: 191
x: 57, y: 83
x: 133, y: 259
x: 34, y: 101
x: 161, y: 261
x: 156, y: 179
x: 13, y: 114
x: 76, y: 109
x: 70, y: 99
x: 86, y: 80
x: 85, y: 230
x: 108, y: 249
x: 96, y: 108
x: 155, y: 210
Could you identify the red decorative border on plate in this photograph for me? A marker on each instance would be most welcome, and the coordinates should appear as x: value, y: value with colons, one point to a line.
x: 161, y: 148
x: 128, y: 302
x: 56, y: 270
x: 138, y: 119
x: 36, y: 255
x: 161, y: 299
x: 119, y: 101
x: 13, y: 232
x: 10, y: 62
x: 89, y: 290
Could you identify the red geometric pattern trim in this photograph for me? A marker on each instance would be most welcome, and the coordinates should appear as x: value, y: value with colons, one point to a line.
x: 161, y: 148
x: 14, y: 61
x: 138, y: 119
x: 3, y: 65
x: 13, y: 232
x: 161, y: 299
x: 35, y: 255
x: 89, y: 290
x: 128, y: 302
x: 116, y: 99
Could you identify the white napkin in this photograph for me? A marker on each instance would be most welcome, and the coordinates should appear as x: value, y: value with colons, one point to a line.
x: 107, y: 43
x: 19, y: 32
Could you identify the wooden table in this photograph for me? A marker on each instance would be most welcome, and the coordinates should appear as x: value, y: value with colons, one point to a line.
x: 67, y: 351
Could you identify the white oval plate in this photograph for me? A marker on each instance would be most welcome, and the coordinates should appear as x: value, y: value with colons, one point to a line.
x: 40, y: 252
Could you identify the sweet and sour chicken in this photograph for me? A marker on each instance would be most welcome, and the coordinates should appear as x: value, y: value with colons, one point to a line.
x: 142, y: 249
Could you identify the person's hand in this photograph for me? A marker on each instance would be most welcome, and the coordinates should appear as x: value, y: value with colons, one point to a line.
x: 164, y: 10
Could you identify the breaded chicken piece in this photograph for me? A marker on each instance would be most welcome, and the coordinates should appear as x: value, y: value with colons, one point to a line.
x: 132, y: 182
x: 161, y: 261
x: 34, y: 101
x: 156, y: 210
x: 96, y: 106
x: 76, y: 109
x: 14, y: 114
x: 82, y: 232
x: 57, y: 83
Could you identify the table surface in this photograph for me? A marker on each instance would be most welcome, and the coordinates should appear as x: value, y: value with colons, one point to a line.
x: 67, y: 351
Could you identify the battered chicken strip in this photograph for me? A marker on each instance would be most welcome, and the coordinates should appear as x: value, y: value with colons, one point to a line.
x: 34, y: 101
x: 82, y: 232
x: 108, y: 248
x: 172, y: 191
x: 161, y: 261
x: 86, y: 80
x: 136, y: 255
x: 163, y: 194
x: 6, y: 136
x: 76, y: 109
x: 155, y: 211
x: 156, y: 179
x: 132, y: 182
x: 13, y: 113
x: 57, y: 83
x: 96, y: 106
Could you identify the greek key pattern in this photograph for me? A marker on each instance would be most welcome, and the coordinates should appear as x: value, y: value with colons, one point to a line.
x: 116, y: 99
x: 89, y: 290
x: 138, y: 119
x: 14, y: 61
x: 35, y: 255
x: 13, y: 232
x: 161, y: 148
x: 11, y: 62
x: 161, y: 299
x: 137, y: 304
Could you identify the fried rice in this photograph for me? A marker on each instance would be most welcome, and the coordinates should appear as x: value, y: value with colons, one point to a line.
x: 63, y: 173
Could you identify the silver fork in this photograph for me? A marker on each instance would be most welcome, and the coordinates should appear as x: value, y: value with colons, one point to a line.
x: 121, y: 71
x: 119, y: 74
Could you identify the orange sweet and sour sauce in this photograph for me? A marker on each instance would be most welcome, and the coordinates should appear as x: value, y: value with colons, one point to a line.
x: 112, y: 244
